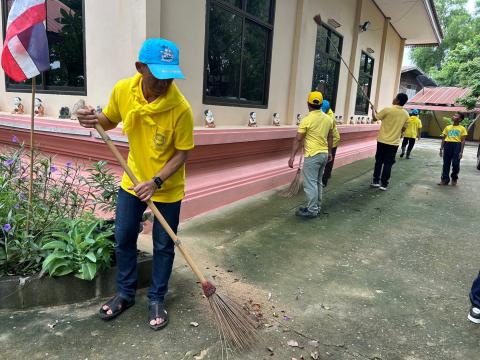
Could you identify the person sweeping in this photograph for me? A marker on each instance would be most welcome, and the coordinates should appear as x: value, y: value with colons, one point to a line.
x: 327, y: 173
x: 412, y: 133
x: 451, y: 150
x: 158, y: 121
x: 315, y: 132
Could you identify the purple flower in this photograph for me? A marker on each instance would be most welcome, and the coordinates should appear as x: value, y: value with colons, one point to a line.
x: 14, y: 139
x: 69, y: 164
x: 16, y: 206
x: 8, y: 162
x: 53, y: 168
x: 7, y: 227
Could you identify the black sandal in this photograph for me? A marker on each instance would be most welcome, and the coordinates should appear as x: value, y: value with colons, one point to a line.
x: 157, y: 310
x: 117, y: 304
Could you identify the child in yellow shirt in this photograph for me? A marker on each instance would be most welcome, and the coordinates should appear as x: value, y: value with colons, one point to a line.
x: 452, y: 149
x: 412, y: 132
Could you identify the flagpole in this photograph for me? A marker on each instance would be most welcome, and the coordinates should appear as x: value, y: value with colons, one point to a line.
x: 32, y: 130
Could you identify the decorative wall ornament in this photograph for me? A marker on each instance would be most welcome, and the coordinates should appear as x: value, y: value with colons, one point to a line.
x: 64, y: 112
x: 98, y: 109
x: 39, y: 108
x: 276, y: 119
x: 18, y: 106
x: 252, y: 120
x: 209, y: 119
x: 77, y: 106
x: 299, y: 119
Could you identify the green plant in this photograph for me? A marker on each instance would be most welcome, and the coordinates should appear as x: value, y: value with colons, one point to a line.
x: 465, y: 122
x: 83, y: 250
x: 59, y: 194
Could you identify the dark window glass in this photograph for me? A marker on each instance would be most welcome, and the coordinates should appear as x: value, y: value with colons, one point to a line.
x: 238, y: 47
x: 326, y: 66
x: 65, y: 33
x: 365, y: 84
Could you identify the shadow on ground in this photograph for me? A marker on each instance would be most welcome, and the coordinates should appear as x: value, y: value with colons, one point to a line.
x: 377, y: 276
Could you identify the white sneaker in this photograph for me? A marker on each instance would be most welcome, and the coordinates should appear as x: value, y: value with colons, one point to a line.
x: 383, y: 188
x: 474, y: 315
x: 374, y: 185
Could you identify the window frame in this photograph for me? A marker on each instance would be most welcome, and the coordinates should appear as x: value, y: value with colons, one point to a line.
x: 336, y: 58
x: 43, y: 88
x: 370, y: 78
x: 215, y: 100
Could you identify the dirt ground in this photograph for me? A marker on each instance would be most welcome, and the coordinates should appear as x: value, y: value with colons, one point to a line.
x: 380, y: 275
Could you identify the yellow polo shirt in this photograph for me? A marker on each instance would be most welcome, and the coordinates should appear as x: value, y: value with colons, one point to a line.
x: 336, y: 133
x: 393, y: 119
x: 316, y: 126
x: 155, y: 131
x: 413, y: 124
x: 454, y: 133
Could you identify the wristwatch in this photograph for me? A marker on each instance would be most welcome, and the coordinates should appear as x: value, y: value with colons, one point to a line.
x: 158, y: 181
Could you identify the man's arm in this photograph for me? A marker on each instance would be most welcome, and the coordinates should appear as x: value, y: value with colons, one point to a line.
x: 297, y: 144
x: 441, y: 147
x: 88, y: 117
x: 330, y: 144
x: 463, y: 145
x: 419, y: 133
x: 145, y: 190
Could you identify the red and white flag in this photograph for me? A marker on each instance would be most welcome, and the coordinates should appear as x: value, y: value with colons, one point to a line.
x: 25, y: 50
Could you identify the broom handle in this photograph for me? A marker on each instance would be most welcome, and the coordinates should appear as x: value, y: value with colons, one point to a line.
x: 151, y: 205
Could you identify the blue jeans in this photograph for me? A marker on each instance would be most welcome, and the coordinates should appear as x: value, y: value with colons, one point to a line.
x: 451, y: 158
x: 127, y: 224
x: 475, y: 292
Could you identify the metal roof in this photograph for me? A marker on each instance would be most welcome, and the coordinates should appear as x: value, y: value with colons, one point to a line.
x: 440, y: 108
x: 439, y: 96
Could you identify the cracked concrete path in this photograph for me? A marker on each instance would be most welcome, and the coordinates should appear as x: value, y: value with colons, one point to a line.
x: 380, y: 275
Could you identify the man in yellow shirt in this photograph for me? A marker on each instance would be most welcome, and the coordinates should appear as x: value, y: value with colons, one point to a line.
x: 412, y: 132
x: 158, y: 121
x: 327, y: 173
x: 315, y: 133
x: 452, y: 149
x: 394, y: 120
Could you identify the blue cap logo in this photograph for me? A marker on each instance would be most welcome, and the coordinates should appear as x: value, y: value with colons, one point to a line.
x: 162, y: 58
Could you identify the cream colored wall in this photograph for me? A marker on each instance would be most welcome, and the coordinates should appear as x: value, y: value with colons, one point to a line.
x: 114, y: 32
x: 369, y: 39
x: 390, y: 66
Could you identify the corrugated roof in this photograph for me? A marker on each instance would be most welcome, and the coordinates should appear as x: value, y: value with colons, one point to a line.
x: 439, y: 96
x: 440, y: 108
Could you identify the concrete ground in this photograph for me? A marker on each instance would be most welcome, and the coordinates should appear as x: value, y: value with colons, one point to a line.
x: 380, y: 275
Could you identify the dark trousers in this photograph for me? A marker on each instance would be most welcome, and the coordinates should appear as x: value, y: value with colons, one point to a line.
x: 451, y: 158
x: 127, y: 223
x: 327, y: 173
x: 475, y: 292
x: 410, y: 142
x: 384, y: 160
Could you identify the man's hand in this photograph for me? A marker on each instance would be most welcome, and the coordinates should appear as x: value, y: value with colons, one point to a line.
x: 441, y: 153
x: 330, y: 157
x: 145, y: 190
x: 290, y: 161
x: 87, y: 117
x: 460, y: 156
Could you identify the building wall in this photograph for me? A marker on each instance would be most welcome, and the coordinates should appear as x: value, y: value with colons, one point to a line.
x: 112, y: 47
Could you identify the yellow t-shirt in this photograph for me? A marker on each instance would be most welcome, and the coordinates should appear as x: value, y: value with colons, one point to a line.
x: 155, y: 131
x: 393, y: 120
x: 413, y: 124
x: 316, y: 126
x: 454, y: 133
x: 336, y: 134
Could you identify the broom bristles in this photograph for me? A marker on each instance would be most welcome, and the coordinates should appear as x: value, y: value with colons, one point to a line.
x: 295, y: 185
x: 237, y: 330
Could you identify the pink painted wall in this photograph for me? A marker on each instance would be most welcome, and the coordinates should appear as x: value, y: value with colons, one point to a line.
x: 226, y: 165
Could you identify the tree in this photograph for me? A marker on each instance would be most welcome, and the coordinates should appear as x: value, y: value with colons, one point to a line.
x: 458, y: 26
x: 461, y: 67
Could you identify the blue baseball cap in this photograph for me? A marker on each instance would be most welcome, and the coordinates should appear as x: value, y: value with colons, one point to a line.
x: 415, y: 112
x: 162, y: 58
x: 325, y: 106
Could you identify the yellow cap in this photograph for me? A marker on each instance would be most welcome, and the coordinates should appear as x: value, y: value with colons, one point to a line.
x: 315, y: 98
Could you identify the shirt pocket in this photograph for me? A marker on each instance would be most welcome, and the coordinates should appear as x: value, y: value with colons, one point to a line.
x: 162, y: 138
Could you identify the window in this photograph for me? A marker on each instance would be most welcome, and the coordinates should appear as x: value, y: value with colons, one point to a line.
x: 326, y: 66
x: 65, y: 33
x: 365, y: 80
x: 237, y: 52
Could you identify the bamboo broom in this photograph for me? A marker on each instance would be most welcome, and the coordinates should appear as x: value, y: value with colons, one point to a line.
x: 237, y: 331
